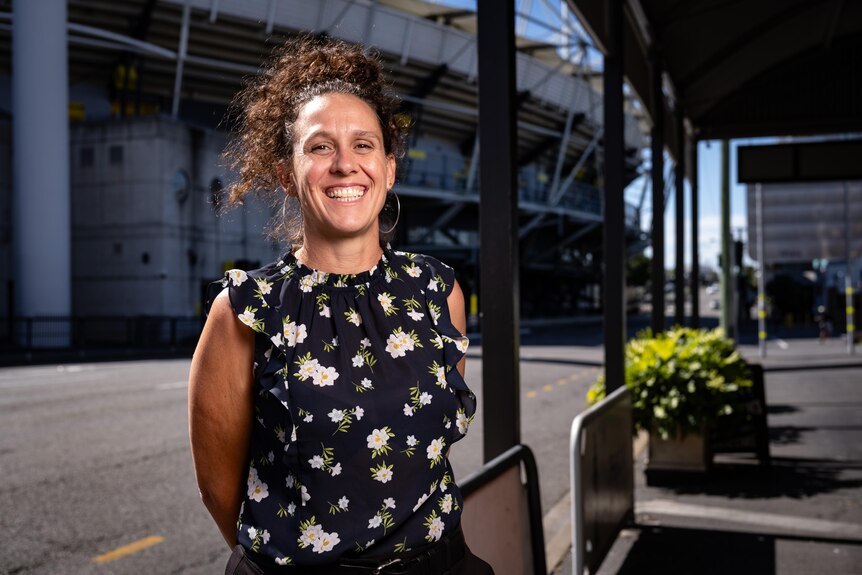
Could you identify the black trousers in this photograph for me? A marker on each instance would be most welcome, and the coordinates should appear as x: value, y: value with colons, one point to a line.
x: 450, y: 556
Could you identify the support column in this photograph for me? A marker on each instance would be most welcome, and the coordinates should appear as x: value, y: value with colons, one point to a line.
x: 498, y: 227
x: 679, y: 201
x: 40, y: 140
x: 657, y: 155
x: 727, y: 318
x: 694, y: 284
x: 614, y: 242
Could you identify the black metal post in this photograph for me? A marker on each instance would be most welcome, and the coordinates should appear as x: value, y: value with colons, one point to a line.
x: 694, y: 283
x: 498, y: 226
x: 679, y: 200
x: 657, y: 154
x: 614, y: 241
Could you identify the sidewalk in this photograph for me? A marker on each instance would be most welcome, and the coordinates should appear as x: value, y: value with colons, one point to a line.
x: 801, y: 515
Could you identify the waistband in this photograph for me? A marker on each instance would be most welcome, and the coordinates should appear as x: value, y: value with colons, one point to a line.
x: 432, y: 559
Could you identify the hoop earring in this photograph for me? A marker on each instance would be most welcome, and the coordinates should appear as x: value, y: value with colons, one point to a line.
x: 397, y: 214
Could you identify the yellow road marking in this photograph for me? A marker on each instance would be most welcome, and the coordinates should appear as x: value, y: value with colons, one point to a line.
x: 128, y: 549
x: 548, y: 387
x: 531, y: 394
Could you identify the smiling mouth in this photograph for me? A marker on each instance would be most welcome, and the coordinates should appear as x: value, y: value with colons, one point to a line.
x: 345, y: 194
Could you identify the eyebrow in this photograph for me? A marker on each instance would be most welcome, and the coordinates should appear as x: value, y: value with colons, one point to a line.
x: 357, y: 134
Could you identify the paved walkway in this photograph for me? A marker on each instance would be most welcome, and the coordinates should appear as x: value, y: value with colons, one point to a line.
x: 801, y: 515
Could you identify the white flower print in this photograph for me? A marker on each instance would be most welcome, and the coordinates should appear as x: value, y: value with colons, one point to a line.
x: 280, y: 435
x: 358, y: 413
x: 343, y: 503
x: 282, y: 560
x: 295, y: 333
x: 435, y: 529
x: 316, y: 462
x: 336, y: 415
x: 425, y: 398
x: 270, y: 456
x: 353, y: 317
x: 308, y: 368
x: 383, y: 475
x: 252, y: 533
x: 318, y: 277
x: 264, y: 536
x: 326, y: 542
x: 385, y: 300
x: 277, y: 340
x: 446, y: 503
x: 413, y: 270
x: 303, y: 493
x: 365, y: 342
x: 264, y: 286
x: 369, y: 544
x: 258, y: 491
x: 462, y: 422
x: 358, y: 360
x: 366, y: 383
x: 389, y: 503
x: 415, y: 315
x: 310, y: 535
x: 306, y: 283
x: 435, y: 450
x: 247, y: 317
x: 378, y: 439
x: 290, y: 481
x: 399, y: 343
x: 324, y: 376
x: 375, y: 522
x: 292, y: 436
x: 325, y: 311
x: 408, y: 410
x: 412, y: 441
x: 462, y: 343
x: 291, y: 508
x: 432, y: 285
x: 335, y: 469
x: 237, y: 277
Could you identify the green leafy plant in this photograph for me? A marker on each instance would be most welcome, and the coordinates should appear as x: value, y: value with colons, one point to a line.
x: 682, y: 381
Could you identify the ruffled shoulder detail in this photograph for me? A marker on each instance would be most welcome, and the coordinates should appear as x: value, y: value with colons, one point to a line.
x: 436, y: 280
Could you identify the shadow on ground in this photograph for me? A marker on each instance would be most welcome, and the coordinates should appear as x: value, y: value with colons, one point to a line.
x: 673, y: 550
x: 786, y: 477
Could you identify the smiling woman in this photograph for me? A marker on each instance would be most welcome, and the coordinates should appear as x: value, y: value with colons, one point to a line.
x: 328, y: 386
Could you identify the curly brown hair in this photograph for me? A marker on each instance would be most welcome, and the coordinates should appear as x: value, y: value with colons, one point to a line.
x: 301, y: 69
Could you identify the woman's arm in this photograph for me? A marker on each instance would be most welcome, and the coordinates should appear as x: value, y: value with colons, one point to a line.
x: 220, y: 413
x: 458, y: 315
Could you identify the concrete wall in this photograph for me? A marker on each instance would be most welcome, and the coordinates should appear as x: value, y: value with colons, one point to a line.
x: 146, y: 235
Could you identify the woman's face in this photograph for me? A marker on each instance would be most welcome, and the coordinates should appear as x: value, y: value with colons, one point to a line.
x: 340, y: 170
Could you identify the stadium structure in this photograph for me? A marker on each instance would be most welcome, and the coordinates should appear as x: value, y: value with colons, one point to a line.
x: 147, y: 84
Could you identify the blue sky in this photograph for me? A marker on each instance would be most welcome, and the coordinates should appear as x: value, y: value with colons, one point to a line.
x: 709, y: 173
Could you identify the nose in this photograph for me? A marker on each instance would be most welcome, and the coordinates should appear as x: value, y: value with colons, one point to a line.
x: 343, y: 161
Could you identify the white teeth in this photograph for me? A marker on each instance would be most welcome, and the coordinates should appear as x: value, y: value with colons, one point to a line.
x: 345, y: 194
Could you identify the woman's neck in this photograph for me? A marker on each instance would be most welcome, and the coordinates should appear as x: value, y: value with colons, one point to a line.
x: 348, y: 256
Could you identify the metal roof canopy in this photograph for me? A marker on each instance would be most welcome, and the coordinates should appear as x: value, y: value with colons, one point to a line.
x: 745, y: 69
x: 800, y: 162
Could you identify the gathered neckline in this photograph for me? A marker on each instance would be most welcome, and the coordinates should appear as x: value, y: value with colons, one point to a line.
x: 318, y: 277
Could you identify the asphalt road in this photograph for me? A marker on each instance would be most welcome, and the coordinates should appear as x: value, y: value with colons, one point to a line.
x: 97, y: 476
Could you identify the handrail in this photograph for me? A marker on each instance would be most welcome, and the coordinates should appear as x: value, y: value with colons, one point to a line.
x: 492, y: 469
x: 589, y: 546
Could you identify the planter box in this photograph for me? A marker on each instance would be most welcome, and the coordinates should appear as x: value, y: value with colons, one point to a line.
x: 690, y: 453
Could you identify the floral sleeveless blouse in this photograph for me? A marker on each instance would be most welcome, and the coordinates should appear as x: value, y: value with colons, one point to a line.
x: 358, y: 400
